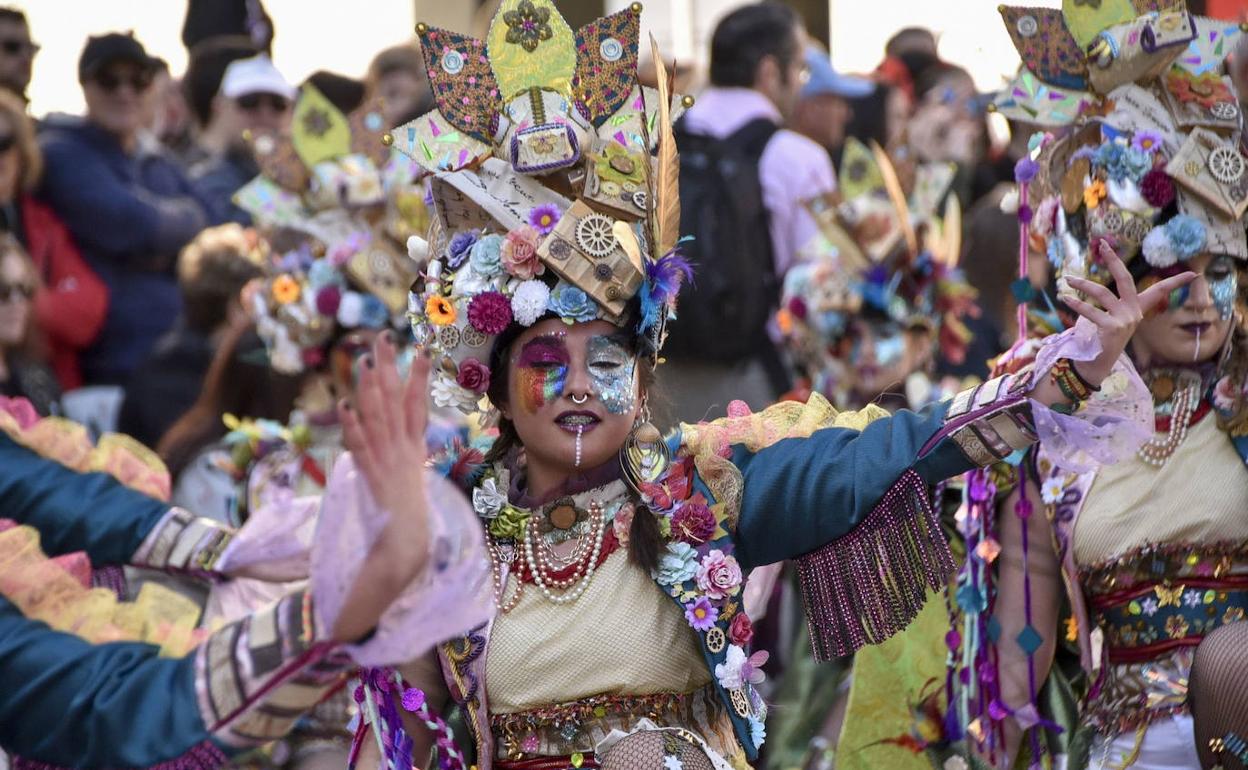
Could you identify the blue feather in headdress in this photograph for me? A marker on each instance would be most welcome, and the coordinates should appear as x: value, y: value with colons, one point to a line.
x: 661, y: 285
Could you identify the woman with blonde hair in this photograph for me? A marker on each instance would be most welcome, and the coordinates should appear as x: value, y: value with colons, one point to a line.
x: 22, y: 371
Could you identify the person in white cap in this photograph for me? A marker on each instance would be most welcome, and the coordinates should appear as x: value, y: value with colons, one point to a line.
x: 254, y: 96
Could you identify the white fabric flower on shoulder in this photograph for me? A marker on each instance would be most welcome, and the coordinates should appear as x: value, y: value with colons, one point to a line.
x: 448, y: 393
x: 488, y: 500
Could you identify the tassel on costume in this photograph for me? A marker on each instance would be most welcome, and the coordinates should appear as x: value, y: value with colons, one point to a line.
x: 868, y: 585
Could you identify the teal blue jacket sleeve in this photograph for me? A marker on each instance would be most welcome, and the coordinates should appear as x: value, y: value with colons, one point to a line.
x: 90, y: 512
x: 801, y: 493
x: 74, y: 704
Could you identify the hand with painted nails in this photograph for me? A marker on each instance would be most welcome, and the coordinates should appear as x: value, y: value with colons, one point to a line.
x: 1119, y: 314
x: 384, y: 429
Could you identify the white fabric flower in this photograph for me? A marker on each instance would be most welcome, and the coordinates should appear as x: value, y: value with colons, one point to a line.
x: 350, y: 309
x: 284, y: 355
x: 672, y: 763
x: 1051, y: 490
x: 528, y: 303
x: 469, y: 283
x: 1009, y: 202
x: 488, y: 500
x: 728, y: 673
x: 448, y: 393
x: 1157, y: 248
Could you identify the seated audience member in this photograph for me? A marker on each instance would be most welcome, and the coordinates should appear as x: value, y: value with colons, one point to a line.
x: 212, y: 271
x: 130, y: 211
x: 253, y: 97
x: 70, y: 300
x: 22, y: 374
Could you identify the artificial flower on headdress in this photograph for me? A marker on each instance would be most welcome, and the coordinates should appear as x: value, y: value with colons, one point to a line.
x: 525, y: 120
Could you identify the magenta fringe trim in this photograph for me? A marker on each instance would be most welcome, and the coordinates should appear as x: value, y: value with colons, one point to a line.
x: 202, y: 756
x: 866, y: 586
x: 112, y: 577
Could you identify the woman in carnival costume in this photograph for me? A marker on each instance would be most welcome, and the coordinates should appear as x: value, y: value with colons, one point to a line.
x: 871, y: 310
x: 91, y: 682
x: 335, y: 206
x: 1150, y: 551
x: 619, y: 557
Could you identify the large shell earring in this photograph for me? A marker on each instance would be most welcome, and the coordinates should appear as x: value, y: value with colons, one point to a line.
x: 645, y: 456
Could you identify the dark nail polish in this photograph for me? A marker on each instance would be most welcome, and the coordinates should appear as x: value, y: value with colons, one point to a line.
x: 368, y: 361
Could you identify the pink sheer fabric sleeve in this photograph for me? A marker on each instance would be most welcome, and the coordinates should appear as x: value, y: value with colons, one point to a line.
x: 1110, y: 426
x: 453, y: 595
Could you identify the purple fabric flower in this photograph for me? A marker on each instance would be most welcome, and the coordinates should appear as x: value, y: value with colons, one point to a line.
x: 701, y: 614
x: 1025, y: 170
x: 327, y: 300
x: 543, y: 218
x: 459, y: 248
x: 489, y: 313
x: 693, y: 523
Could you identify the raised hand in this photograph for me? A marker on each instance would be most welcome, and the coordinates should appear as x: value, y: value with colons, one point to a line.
x: 385, y: 431
x: 1118, y: 315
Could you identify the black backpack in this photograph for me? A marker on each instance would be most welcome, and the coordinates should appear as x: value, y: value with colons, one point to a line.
x: 723, y: 317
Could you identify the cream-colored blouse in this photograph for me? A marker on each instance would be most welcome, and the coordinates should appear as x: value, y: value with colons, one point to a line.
x: 1199, y: 496
x: 624, y: 636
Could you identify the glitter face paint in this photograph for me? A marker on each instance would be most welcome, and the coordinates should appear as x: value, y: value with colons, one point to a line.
x: 542, y: 371
x: 612, y: 371
x: 1223, y: 281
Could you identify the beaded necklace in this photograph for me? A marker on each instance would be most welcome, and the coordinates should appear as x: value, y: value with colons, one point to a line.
x: 1181, y: 394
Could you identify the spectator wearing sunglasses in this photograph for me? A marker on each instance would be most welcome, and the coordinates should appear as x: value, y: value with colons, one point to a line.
x: 254, y: 97
x: 71, y: 301
x: 129, y: 207
x: 22, y: 372
x: 17, y: 51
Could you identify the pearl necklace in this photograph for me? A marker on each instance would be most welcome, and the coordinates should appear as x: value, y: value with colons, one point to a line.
x: 500, y: 582
x: 585, y: 570
x: 1154, y: 452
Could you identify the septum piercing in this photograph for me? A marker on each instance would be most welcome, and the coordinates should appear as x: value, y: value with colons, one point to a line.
x: 581, y: 399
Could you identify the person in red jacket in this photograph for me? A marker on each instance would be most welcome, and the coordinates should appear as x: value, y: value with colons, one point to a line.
x: 71, y: 300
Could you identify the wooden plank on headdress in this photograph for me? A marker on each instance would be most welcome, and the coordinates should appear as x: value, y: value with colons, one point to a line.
x: 892, y: 185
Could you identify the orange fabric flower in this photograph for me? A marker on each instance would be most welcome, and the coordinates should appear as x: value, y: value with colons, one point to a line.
x: 440, y: 310
x: 1094, y: 193
x: 285, y: 289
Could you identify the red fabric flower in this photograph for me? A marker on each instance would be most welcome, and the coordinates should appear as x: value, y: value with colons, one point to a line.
x: 693, y: 523
x: 473, y: 375
x: 489, y: 313
x: 741, y: 630
x: 1157, y: 188
x: 327, y: 300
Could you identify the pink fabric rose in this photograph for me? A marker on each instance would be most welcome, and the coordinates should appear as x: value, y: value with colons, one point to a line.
x: 623, y: 523
x: 519, y: 253
x: 693, y: 523
x: 719, y: 575
x: 473, y: 375
x: 741, y: 630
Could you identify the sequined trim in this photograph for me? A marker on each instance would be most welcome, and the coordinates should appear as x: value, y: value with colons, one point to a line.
x: 992, y: 421
x: 1176, y: 561
x: 202, y: 756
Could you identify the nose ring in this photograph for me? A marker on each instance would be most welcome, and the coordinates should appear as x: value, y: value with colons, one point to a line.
x: 581, y: 399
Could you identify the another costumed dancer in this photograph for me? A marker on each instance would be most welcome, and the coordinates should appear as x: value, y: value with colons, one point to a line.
x: 1149, y: 553
x: 91, y: 682
x: 619, y: 557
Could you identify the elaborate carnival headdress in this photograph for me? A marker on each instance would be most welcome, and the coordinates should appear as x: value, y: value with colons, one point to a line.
x: 547, y: 200
x: 336, y: 204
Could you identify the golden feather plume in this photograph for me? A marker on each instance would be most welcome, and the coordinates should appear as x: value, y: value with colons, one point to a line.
x: 666, y: 192
x: 895, y: 194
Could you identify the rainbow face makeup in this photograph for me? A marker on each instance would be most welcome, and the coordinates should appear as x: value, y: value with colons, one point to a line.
x: 542, y: 371
x: 611, y: 370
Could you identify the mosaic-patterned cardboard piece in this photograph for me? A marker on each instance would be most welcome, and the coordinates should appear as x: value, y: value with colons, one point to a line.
x: 1046, y: 46
x: 318, y: 129
x: 368, y: 126
x: 530, y: 45
x: 1085, y: 20
x: 1131, y: 58
x: 606, y: 64
x: 462, y: 81
x: 436, y: 145
x: 1215, y: 40
x: 275, y: 155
